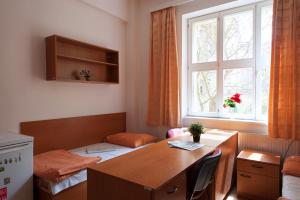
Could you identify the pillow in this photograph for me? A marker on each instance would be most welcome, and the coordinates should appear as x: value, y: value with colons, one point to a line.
x: 132, y: 140
x: 291, y: 166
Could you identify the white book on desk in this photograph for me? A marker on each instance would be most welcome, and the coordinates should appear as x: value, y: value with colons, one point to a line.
x: 187, y: 145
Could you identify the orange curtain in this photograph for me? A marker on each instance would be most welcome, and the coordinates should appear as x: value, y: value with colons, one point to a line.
x: 284, y: 101
x: 163, y: 96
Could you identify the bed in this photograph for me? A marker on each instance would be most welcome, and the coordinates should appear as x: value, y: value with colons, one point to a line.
x: 105, y: 151
x: 291, y: 187
x: 291, y: 178
x: 75, y: 134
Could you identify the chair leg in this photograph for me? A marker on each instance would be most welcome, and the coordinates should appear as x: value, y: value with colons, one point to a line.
x: 208, y: 194
x: 192, y: 197
x: 197, y: 196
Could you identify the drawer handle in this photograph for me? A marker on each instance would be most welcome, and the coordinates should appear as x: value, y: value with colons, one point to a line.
x: 257, y: 166
x: 245, y: 176
x: 172, y: 190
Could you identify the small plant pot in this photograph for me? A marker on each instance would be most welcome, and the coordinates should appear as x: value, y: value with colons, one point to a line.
x: 196, y: 138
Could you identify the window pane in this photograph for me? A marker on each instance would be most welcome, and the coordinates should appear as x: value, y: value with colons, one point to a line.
x: 263, y: 78
x: 239, y: 80
x: 238, y: 36
x: 204, y: 41
x: 204, y: 91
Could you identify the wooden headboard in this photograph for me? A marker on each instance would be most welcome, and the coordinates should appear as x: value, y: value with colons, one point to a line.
x: 68, y: 133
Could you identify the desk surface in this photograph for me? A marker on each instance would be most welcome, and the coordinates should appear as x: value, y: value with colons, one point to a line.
x: 156, y: 164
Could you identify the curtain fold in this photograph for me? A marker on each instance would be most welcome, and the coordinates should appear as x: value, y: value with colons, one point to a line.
x: 284, y: 99
x: 163, y: 91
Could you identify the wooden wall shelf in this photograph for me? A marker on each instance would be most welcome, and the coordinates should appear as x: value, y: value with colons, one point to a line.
x: 67, y: 57
x: 86, y: 60
x: 84, y: 81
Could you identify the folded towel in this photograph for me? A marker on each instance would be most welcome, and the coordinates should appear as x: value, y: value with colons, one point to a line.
x: 291, y: 166
x: 58, y: 165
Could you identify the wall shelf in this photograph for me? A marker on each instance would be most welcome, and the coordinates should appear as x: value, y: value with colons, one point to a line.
x: 84, y: 81
x: 86, y: 60
x: 67, y: 57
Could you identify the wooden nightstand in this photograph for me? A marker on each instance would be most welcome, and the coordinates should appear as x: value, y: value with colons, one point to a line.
x: 258, y: 175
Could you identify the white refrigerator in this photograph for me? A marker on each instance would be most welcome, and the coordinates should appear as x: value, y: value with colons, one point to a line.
x: 16, y: 167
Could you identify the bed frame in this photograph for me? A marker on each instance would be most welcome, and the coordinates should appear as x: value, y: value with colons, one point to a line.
x: 69, y: 133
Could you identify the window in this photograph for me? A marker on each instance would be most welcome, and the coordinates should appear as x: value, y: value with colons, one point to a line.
x: 229, y: 52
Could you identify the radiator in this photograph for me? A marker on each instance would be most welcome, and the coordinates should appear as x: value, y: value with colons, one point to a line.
x: 264, y: 143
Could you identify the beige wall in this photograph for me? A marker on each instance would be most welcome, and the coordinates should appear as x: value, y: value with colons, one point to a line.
x: 131, y: 62
x: 24, y: 92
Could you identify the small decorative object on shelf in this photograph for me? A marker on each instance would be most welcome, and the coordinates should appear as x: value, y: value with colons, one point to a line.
x: 86, y: 74
x: 232, y: 101
x: 196, y: 129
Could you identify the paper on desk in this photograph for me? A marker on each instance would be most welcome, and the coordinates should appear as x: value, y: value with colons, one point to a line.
x: 187, y: 145
x: 89, y: 151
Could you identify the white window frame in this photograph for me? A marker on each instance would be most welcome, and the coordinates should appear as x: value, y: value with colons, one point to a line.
x: 200, y: 66
x: 220, y: 65
x: 259, y: 60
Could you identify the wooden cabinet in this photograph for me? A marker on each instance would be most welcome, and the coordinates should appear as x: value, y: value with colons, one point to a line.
x: 67, y: 58
x: 258, y: 175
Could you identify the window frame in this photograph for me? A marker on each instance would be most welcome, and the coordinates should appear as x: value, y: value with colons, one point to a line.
x: 219, y: 65
x: 259, y: 60
x: 200, y: 66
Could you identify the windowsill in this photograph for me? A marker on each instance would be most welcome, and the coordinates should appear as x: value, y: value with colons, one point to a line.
x: 242, y: 125
x: 228, y: 119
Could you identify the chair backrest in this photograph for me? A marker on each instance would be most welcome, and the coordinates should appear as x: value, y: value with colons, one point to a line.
x: 203, y: 173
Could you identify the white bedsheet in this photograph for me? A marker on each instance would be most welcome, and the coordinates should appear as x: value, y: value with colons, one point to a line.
x: 291, y: 187
x: 105, y: 150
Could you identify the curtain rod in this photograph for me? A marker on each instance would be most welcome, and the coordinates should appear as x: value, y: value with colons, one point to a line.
x: 169, y: 4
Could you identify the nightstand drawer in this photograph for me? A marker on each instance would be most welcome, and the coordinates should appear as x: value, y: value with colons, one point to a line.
x: 256, y: 186
x: 258, y: 168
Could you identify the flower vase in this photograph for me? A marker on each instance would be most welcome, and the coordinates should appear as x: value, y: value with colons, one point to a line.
x: 232, y: 112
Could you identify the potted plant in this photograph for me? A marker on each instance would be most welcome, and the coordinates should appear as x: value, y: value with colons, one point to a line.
x: 86, y: 74
x: 196, y: 129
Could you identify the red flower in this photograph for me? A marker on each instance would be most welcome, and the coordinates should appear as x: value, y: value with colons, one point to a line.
x: 236, y: 98
x: 237, y: 95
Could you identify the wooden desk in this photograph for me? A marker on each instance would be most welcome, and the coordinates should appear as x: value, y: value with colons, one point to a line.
x: 158, y: 171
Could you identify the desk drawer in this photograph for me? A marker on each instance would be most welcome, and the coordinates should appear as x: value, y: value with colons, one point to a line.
x: 258, y: 168
x: 174, y: 190
x: 255, y: 186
